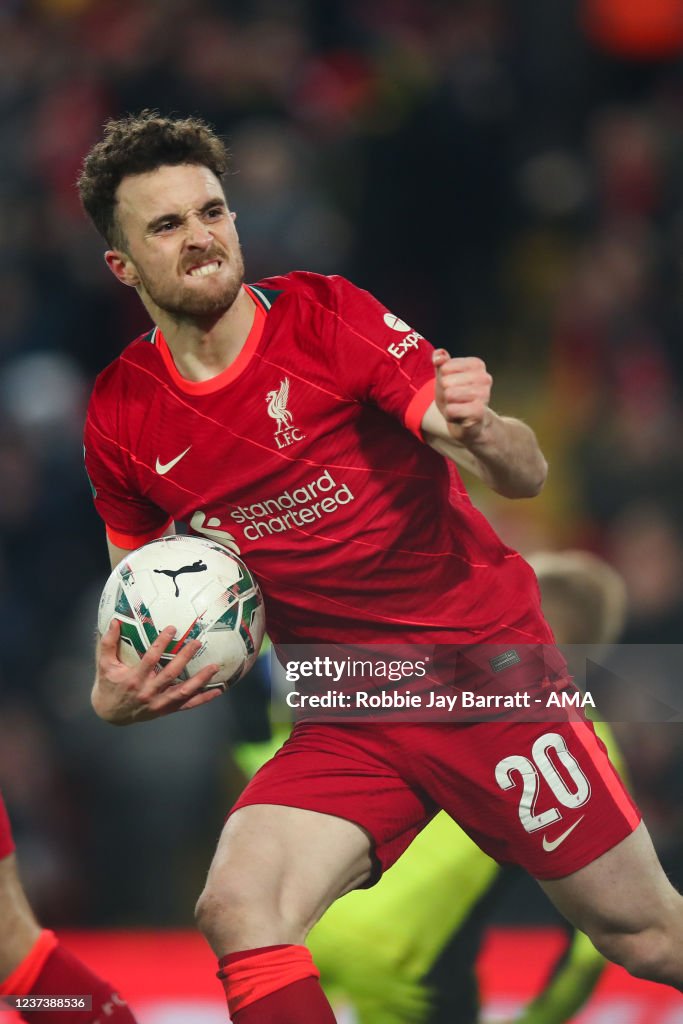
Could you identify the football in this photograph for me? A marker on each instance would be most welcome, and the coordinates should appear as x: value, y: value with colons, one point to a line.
x: 199, y: 587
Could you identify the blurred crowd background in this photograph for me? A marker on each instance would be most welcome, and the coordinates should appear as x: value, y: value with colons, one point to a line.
x: 508, y: 178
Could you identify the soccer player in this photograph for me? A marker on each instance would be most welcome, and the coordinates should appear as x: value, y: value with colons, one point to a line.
x: 304, y: 423
x: 404, y: 952
x: 34, y: 965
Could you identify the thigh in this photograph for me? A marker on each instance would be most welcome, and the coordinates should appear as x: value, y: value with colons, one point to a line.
x: 290, y: 862
x: 624, y: 890
x: 349, y: 772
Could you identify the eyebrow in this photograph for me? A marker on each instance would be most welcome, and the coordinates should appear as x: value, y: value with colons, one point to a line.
x: 208, y: 205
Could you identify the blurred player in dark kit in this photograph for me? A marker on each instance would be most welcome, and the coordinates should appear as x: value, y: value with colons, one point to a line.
x: 301, y: 422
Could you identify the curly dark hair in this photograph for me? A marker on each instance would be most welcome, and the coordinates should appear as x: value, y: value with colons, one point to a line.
x: 134, y: 145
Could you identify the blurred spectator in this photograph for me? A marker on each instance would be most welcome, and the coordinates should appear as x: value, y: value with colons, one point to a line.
x: 646, y: 545
x: 283, y: 218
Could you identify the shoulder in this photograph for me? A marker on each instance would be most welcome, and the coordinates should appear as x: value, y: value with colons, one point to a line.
x: 330, y: 291
x: 113, y: 382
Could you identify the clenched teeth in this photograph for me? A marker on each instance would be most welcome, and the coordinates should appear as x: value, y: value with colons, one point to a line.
x: 208, y: 268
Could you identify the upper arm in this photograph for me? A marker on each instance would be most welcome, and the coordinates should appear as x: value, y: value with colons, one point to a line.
x: 130, y: 516
x: 378, y: 358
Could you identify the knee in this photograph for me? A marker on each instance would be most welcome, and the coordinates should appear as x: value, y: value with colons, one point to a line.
x: 242, y: 912
x: 207, y: 911
x: 220, y: 909
x: 649, y: 954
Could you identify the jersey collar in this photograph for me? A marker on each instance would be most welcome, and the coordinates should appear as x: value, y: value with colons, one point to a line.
x: 230, y: 373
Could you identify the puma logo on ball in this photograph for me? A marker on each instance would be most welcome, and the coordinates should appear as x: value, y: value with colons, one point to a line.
x: 197, y: 566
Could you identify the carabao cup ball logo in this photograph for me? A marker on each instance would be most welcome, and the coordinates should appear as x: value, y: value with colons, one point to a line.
x: 198, y: 586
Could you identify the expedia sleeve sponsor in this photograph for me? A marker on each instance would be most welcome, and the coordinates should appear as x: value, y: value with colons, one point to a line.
x: 380, y: 358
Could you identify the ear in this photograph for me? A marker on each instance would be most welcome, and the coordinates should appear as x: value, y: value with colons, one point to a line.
x: 122, y: 267
x: 233, y: 218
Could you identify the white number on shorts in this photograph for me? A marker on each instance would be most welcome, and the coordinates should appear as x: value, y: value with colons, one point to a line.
x: 528, y: 770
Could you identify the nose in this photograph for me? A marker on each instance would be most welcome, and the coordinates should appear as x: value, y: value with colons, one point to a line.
x: 198, y: 235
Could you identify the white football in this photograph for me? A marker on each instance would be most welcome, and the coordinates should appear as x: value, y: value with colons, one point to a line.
x: 199, y: 587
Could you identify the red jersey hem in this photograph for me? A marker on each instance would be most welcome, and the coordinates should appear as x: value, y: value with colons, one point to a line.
x: 132, y: 541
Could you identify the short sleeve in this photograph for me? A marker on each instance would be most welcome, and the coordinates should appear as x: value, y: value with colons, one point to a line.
x: 381, y: 359
x: 130, y: 519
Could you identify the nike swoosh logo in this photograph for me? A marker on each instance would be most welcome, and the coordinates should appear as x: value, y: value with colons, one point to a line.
x: 163, y: 468
x: 549, y: 847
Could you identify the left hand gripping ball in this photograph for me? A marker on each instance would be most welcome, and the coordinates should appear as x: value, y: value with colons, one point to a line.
x: 202, y: 589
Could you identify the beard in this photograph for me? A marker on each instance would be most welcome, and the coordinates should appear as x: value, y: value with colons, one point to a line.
x: 187, y: 303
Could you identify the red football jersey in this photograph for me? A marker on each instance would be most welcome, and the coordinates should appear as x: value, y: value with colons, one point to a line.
x: 307, y: 452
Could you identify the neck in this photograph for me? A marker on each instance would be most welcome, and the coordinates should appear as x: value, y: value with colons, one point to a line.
x: 201, y: 349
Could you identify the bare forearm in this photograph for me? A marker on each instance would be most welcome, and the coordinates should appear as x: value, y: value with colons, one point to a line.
x: 501, y: 451
x: 509, y: 457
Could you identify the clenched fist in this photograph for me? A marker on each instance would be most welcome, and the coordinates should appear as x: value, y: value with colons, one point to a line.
x: 463, y: 390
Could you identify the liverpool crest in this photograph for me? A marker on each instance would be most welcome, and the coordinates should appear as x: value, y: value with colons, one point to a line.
x: 285, y: 432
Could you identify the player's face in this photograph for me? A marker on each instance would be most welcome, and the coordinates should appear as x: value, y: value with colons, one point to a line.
x: 183, y: 252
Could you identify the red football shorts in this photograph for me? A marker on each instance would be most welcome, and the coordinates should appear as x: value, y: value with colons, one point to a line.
x: 541, y: 794
x: 6, y: 841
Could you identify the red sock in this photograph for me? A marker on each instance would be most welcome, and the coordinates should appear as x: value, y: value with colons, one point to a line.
x: 274, y: 985
x: 50, y: 970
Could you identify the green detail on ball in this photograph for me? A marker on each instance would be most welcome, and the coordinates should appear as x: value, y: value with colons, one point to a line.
x: 228, y: 620
x: 194, y: 632
x: 145, y: 618
x: 123, y: 604
x: 131, y: 633
x: 249, y: 608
